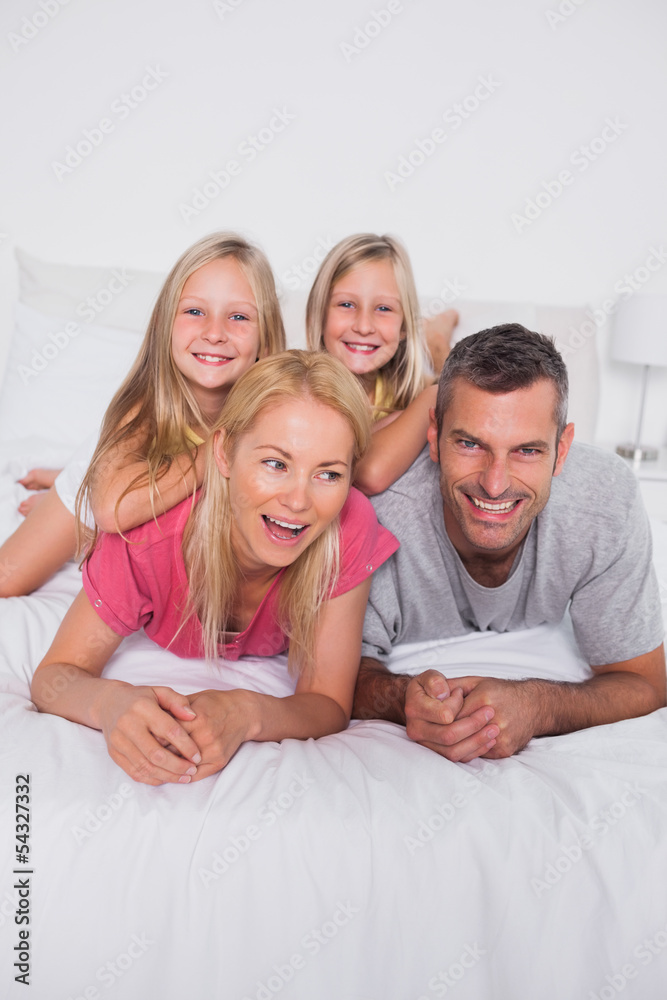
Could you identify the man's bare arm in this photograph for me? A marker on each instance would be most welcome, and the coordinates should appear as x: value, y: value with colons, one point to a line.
x: 524, y: 709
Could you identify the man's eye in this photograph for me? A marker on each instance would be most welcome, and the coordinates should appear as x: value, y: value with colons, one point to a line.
x: 468, y: 445
x: 529, y: 451
x: 274, y: 463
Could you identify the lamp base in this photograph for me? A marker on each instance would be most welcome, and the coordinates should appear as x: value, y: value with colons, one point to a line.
x: 645, y: 453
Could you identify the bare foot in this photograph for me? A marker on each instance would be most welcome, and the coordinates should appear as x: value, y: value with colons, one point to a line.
x: 39, y: 479
x: 31, y: 502
x: 438, y: 330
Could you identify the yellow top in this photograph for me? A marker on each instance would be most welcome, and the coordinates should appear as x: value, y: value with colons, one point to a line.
x: 383, y: 402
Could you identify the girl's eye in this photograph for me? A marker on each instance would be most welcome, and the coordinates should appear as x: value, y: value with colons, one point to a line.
x: 346, y: 305
x: 329, y: 476
x: 239, y: 316
x: 384, y: 308
x: 274, y: 463
x: 194, y: 312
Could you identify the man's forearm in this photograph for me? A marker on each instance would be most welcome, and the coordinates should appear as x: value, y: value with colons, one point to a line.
x: 379, y: 694
x: 566, y: 707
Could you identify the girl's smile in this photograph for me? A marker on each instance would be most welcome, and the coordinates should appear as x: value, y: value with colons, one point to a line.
x: 365, y: 318
x: 215, y: 336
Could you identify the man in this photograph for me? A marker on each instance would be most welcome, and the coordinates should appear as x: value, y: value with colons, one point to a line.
x: 503, y: 525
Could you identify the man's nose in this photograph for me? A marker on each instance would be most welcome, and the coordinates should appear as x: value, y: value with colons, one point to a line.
x: 495, y: 477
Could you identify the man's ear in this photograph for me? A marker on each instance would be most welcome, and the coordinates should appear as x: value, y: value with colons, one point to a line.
x: 219, y: 452
x: 432, y: 435
x: 564, y: 444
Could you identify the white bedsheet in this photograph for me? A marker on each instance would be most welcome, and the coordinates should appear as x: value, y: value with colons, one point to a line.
x: 356, y: 867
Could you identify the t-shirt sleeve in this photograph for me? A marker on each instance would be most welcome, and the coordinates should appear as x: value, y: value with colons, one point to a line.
x: 365, y: 544
x: 116, y: 587
x: 383, y: 614
x: 616, y: 613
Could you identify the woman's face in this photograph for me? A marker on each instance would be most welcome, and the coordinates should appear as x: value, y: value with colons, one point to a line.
x: 215, y: 336
x: 288, y: 479
x: 365, y: 317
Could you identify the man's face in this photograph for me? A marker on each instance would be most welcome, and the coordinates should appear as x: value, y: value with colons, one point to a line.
x: 498, y: 453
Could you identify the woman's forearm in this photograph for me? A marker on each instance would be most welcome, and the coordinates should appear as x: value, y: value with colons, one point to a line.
x: 71, y: 692
x: 298, y: 717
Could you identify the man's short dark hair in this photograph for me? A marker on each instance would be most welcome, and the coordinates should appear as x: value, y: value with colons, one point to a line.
x: 502, y: 359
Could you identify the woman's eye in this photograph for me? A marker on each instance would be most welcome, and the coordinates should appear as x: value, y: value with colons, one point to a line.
x: 330, y: 477
x: 274, y: 463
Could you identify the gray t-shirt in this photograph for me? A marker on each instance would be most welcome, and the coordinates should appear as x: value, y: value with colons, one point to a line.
x: 591, y: 546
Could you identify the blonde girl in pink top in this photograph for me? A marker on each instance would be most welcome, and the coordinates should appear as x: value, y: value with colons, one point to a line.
x: 277, y: 555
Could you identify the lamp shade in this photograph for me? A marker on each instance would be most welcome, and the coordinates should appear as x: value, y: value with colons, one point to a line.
x: 639, y: 333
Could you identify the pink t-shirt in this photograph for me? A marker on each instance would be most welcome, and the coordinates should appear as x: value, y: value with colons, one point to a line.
x: 142, y: 583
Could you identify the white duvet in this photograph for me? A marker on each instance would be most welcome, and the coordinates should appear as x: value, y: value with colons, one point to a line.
x: 356, y: 867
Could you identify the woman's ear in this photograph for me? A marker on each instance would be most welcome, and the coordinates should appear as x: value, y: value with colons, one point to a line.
x: 219, y: 452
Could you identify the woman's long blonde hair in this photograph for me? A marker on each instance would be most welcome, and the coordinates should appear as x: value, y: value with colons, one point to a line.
x: 207, y: 544
x: 406, y: 374
x: 155, y: 405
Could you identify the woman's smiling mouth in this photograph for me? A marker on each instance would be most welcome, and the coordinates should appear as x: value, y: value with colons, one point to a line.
x: 285, y: 531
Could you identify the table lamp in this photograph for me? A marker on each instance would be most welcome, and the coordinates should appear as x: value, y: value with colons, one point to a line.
x: 639, y: 336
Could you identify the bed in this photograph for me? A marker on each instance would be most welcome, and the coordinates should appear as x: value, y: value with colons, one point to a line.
x: 360, y: 866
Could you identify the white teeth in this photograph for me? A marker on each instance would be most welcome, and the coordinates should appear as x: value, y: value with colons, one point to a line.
x: 366, y: 348
x: 497, y: 508
x: 284, y: 524
x: 211, y: 357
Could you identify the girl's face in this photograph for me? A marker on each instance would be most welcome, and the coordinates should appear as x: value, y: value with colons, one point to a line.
x: 288, y: 479
x: 364, y: 319
x: 215, y: 336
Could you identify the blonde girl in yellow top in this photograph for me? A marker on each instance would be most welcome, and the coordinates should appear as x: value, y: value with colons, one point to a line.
x: 363, y: 309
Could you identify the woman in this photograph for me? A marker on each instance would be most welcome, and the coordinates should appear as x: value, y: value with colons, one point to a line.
x: 277, y: 554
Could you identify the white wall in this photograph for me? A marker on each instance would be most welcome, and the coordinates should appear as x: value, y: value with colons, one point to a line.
x: 227, y: 66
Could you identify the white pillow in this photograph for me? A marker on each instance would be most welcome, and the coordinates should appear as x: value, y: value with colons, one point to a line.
x: 60, y: 376
x: 107, y: 296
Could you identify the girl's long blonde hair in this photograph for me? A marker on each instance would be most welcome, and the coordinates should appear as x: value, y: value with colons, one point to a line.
x: 406, y: 374
x: 207, y: 544
x: 155, y: 406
